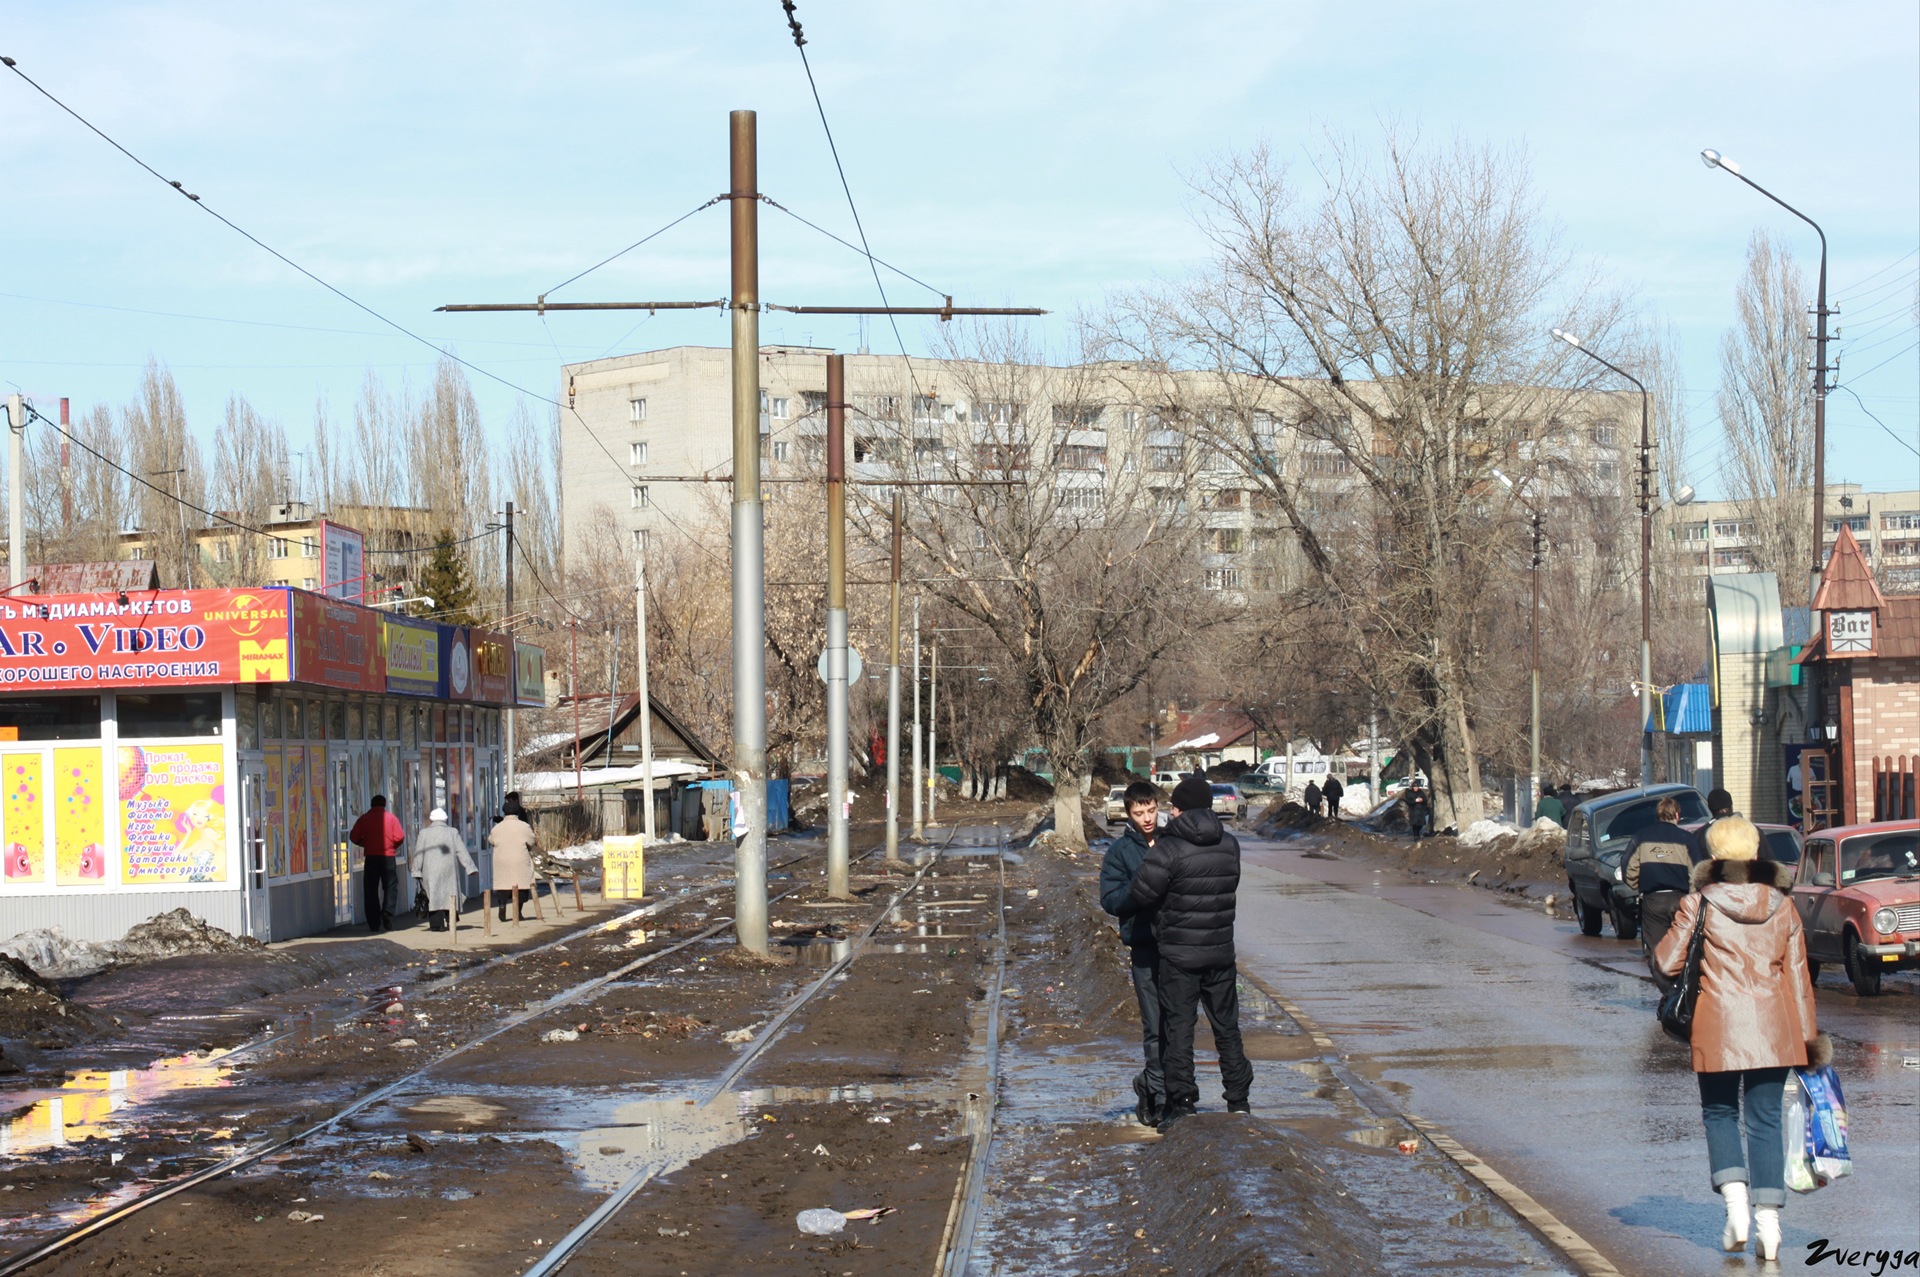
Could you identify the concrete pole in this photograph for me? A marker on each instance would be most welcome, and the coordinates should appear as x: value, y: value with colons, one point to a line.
x: 837, y: 851
x: 893, y: 692
x: 749, y: 545
x: 1533, y: 746
x: 513, y: 651
x: 933, y: 736
x: 919, y: 792
x: 16, y: 491
x: 646, y: 692
x: 1373, y: 754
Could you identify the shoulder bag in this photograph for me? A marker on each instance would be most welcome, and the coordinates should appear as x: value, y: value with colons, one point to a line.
x: 1676, y: 1005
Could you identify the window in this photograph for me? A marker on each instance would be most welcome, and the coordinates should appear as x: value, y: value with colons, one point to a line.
x: 774, y: 406
x: 1605, y: 433
x: 145, y: 715
x: 814, y: 400
x: 636, y: 454
x: 1076, y: 416
x: 1228, y: 540
x: 998, y: 414
x: 639, y: 540
x: 780, y: 449
x: 309, y: 547
x: 1079, y: 456
x: 1130, y: 420
x: 867, y: 449
x: 1857, y: 522
x: 641, y: 498
x: 1226, y: 579
x: 1694, y: 532
x: 979, y: 538
x: 1901, y: 521
x: 50, y: 718
x: 1002, y: 457
x: 636, y: 410
x: 1165, y: 456
x: 1225, y: 499
x: 1083, y: 500
x: 223, y: 551
x: 278, y: 549
x: 1607, y: 472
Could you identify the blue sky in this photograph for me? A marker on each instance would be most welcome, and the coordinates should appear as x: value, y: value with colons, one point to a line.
x: 1032, y: 153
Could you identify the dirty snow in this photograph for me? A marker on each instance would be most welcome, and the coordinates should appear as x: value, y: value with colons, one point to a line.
x: 52, y: 953
x: 1485, y: 831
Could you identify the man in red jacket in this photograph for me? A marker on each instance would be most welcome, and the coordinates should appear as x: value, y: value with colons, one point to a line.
x: 379, y: 835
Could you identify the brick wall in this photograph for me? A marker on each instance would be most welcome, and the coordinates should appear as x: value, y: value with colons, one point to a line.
x: 1886, y: 720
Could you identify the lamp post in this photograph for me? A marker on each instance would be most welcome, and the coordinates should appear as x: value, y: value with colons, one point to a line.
x: 1646, y: 554
x: 1533, y: 743
x: 1713, y: 159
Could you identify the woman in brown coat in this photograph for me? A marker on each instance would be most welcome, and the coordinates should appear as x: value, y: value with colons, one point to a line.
x: 1753, y: 1022
x: 512, y: 842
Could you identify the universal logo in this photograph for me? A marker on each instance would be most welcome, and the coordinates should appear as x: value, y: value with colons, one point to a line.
x: 1876, y: 1261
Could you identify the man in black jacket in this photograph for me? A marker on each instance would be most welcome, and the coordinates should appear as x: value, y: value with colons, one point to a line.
x: 1191, y: 876
x: 1124, y: 855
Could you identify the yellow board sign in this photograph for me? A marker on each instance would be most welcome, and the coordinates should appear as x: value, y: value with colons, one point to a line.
x: 623, y: 867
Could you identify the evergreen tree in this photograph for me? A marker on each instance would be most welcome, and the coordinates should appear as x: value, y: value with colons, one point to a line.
x: 448, y: 583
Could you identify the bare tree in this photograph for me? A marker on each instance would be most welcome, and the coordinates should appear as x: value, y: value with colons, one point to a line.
x: 164, y: 452
x: 1766, y: 409
x: 78, y: 501
x: 249, y: 476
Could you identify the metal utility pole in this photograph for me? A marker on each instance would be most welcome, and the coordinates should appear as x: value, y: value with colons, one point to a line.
x: 16, y: 491
x: 893, y: 692
x: 1533, y: 746
x: 837, y: 852
x: 646, y: 694
x: 573, y: 694
x: 66, y: 464
x: 933, y: 736
x: 919, y: 794
x: 513, y: 654
x: 749, y: 543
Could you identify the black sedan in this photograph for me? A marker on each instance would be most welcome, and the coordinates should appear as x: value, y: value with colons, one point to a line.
x: 1599, y: 832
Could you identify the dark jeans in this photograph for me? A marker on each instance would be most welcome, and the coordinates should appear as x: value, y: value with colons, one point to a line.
x: 1720, y: 1107
x: 1181, y: 993
x: 1146, y: 989
x: 437, y: 919
x: 1656, y: 917
x: 381, y: 874
x: 1418, y: 819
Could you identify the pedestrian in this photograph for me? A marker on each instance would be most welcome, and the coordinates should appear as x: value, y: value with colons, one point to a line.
x: 512, y: 842
x: 1331, y: 791
x: 1659, y: 865
x: 1124, y: 854
x: 1551, y: 806
x: 379, y: 836
x: 441, y: 866
x: 1313, y: 797
x: 1719, y: 804
x: 1753, y: 1023
x: 1191, y: 876
x: 1419, y: 805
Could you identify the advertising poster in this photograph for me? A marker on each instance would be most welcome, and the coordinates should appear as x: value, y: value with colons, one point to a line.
x: 23, y: 818
x: 492, y: 667
x: 337, y: 644
x: 456, y: 661
x: 529, y: 674
x: 173, y: 813
x: 319, y: 839
x: 296, y: 809
x: 413, y: 656
x: 343, y: 552
x: 623, y: 867
x: 79, y: 797
x: 274, y: 817
x: 172, y: 636
x: 1796, y: 785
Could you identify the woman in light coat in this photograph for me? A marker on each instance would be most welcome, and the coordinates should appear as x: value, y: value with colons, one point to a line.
x: 1752, y: 1025
x: 441, y: 866
x: 513, y: 844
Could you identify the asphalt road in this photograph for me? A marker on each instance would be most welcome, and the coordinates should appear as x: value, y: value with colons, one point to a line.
x: 1536, y: 1048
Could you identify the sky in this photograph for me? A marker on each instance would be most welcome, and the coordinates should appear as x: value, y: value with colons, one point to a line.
x: 1011, y: 152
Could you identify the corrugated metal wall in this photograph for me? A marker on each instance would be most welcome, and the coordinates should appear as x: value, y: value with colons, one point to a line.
x: 305, y: 908
x: 107, y: 916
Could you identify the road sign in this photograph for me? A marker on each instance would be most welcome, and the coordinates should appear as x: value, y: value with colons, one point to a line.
x: 854, y: 667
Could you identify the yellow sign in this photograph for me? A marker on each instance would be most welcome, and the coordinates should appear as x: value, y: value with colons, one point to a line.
x: 79, y: 797
x: 25, y: 821
x: 623, y: 867
x: 173, y: 806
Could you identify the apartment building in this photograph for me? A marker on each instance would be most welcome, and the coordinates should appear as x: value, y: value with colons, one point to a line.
x: 1717, y: 536
x: 292, y: 551
x: 649, y: 442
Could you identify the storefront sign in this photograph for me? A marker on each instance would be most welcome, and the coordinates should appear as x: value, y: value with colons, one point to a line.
x: 343, y: 554
x: 456, y: 660
x: 492, y: 668
x: 623, y: 866
x: 529, y: 674
x: 337, y: 644
x: 172, y: 637
x: 79, y: 797
x: 23, y: 818
x: 1850, y: 633
x: 173, y: 812
x: 412, y: 656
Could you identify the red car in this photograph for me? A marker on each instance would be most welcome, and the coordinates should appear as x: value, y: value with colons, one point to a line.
x: 1858, y: 892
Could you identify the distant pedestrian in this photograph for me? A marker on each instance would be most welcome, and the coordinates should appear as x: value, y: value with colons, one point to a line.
x: 378, y: 834
x: 1124, y: 854
x: 1551, y: 806
x: 1720, y: 804
x: 1191, y: 875
x: 1313, y: 797
x: 441, y: 866
x: 1753, y: 1023
x: 1419, y: 805
x: 1331, y: 791
x: 1659, y: 865
x: 512, y: 842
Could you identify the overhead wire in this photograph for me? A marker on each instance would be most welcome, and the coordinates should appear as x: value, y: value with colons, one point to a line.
x: 629, y: 248
x: 774, y: 203
x: 1876, y: 420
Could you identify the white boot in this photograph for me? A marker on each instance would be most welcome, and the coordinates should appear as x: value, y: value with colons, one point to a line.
x: 1734, y: 1238
x: 1766, y: 1233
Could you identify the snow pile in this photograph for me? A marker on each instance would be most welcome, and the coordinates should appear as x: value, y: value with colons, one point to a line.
x: 1484, y: 831
x: 1546, y: 825
x: 52, y: 953
x: 176, y: 932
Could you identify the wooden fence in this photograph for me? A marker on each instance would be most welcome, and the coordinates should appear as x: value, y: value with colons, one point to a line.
x: 1893, y: 788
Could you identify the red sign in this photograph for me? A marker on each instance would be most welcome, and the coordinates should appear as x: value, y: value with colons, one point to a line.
x: 337, y: 644
x: 145, y: 638
x: 492, y: 667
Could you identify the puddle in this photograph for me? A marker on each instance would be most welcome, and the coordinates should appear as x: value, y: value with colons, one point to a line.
x: 468, y: 1109
x: 101, y: 1103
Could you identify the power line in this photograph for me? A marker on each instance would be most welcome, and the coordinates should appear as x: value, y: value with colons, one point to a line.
x: 1876, y: 421
x: 774, y: 203
x: 629, y: 248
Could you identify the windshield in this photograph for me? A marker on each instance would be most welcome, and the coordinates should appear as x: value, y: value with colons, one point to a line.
x: 1892, y: 855
x: 1783, y: 846
x: 1614, y: 827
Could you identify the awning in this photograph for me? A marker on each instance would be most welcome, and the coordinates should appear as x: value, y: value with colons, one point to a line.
x: 1685, y: 709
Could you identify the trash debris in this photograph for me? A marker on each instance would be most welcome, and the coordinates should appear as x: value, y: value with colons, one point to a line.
x: 405, y: 1042
x: 868, y: 1213
x: 1548, y: 904
x: 915, y: 1147
x: 1032, y: 892
x: 302, y: 1217
x: 821, y: 1222
x: 560, y: 1035
x: 664, y: 1231
x: 1473, y: 875
x: 419, y: 1143
x: 881, y: 1119
x: 392, y: 1008
x: 820, y: 1150
x: 378, y: 1175
x: 611, y: 1150
x: 737, y: 1036
x: 1409, y: 1146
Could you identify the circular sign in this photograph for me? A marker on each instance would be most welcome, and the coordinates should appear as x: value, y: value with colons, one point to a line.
x: 459, y: 668
x: 854, y: 668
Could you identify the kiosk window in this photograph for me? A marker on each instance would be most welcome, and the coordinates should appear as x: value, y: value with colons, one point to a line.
x: 50, y: 718
x: 169, y: 714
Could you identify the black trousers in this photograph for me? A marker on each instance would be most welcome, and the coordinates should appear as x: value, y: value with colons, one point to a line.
x: 518, y: 896
x: 1656, y: 918
x: 380, y: 883
x: 1182, y: 992
x: 1146, y: 989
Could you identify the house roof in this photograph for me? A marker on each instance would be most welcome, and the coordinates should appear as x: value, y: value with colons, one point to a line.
x: 1847, y: 584
x: 1214, y: 725
x: 593, y: 740
x: 1900, y: 626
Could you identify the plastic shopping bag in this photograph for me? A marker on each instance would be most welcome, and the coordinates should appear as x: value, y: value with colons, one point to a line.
x: 1813, y: 1123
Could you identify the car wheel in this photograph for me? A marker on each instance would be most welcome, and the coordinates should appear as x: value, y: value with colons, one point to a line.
x: 1624, y: 928
x: 1860, y: 968
x: 1588, y: 915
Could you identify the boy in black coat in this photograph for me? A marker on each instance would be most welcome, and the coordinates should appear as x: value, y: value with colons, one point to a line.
x: 1123, y: 859
x: 1191, y: 875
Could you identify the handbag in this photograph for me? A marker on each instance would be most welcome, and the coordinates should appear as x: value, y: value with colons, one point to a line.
x: 1814, y: 1127
x: 1676, y: 1004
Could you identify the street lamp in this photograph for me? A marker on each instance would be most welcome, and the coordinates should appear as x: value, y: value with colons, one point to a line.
x: 1646, y: 554
x: 1713, y: 159
x: 1533, y: 747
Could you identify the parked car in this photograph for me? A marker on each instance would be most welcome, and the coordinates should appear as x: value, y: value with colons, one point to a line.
x: 1858, y: 893
x: 1778, y: 843
x: 1226, y: 801
x: 1599, y: 831
x: 1166, y: 780
x: 1116, y: 804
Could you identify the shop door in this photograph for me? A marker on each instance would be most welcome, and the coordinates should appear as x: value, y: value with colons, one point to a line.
x: 253, y: 849
x: 339, y: 822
